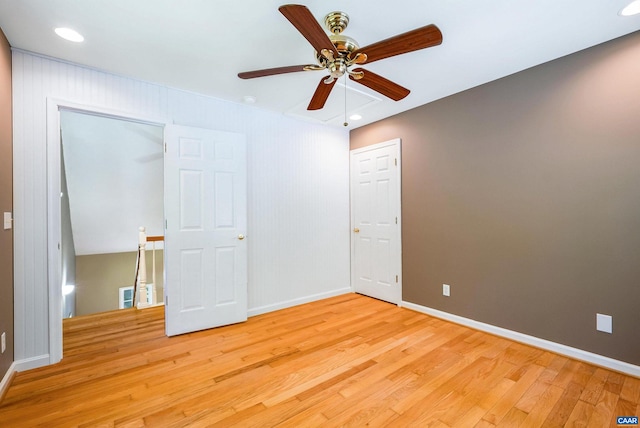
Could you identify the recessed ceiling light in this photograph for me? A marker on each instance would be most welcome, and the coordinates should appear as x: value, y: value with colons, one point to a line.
x: 632, y: 8
x: 355, y: 117
x: 69, y: 34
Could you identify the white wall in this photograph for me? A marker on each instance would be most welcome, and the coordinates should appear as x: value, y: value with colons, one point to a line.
x: 298, y: 194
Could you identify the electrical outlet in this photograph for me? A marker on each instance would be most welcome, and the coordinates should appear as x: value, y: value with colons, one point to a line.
x: 604, y: 323
x: 446, y: 290
x: 3, y: 344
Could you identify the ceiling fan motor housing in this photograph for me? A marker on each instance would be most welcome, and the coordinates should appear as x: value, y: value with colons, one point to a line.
x: 344, y: 44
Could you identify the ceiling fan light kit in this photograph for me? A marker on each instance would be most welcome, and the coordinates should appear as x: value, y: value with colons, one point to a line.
x: 338, y: 53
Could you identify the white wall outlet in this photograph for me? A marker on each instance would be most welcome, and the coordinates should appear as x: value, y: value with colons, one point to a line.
x: 3, y: 342
x: 446, y: 290
x: 604, y: 323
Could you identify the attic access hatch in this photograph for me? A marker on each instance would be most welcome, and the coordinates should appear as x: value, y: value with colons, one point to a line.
x: 335, y: 111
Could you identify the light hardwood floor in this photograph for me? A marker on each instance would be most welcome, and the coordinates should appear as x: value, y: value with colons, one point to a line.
x: 344, y: 361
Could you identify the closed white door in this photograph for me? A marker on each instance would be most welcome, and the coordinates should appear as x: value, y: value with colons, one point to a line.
x: 375, y: 220
x: 206, y: 220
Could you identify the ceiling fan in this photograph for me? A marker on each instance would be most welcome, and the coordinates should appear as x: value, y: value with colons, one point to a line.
x: 337, y: 53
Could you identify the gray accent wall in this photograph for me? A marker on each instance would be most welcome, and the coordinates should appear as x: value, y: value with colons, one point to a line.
x: 6, y: 205
x: 99, y: 276
x: 523, y: 194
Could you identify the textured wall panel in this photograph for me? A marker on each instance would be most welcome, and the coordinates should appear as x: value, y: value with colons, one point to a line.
x: 298, y: 195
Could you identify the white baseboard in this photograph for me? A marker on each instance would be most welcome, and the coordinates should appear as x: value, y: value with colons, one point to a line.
x: 558, y: 348
x: 4, y: 384
x: 32, y: 363
x: 294, y: 302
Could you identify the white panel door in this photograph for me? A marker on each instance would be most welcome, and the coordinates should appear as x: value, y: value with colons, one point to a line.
x: 206, y: 218
x: 375, y: 220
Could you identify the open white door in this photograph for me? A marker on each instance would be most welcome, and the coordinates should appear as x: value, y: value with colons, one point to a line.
x: 376, y: 253
x: 206, y: 218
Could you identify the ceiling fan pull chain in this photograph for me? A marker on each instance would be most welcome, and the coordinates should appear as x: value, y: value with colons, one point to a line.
x: 345, y: 101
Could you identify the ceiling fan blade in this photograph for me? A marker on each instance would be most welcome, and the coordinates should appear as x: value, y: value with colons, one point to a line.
x: 379, y: 84
x: 273, y: 71
x: 321, y: 94
x: 420, y: 38
x: 306, y: 24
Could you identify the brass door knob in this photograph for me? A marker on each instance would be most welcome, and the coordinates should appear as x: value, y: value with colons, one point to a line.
x: 356, y: 230
x: 241, y: 237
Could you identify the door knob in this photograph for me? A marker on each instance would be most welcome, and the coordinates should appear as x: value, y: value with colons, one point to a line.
x: 241, y: 237
x: 356, y: 230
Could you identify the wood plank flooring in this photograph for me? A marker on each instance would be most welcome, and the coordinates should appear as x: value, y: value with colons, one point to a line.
x: 344, y: 361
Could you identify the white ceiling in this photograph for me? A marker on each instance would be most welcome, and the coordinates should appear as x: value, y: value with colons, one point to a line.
x: 201, y: 45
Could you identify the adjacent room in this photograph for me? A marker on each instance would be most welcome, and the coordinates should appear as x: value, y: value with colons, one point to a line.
x: 432, y: 220
x: 112, y: 176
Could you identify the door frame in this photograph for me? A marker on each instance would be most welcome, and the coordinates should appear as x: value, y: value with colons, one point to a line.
x: 397, y: 144
x: 54, y: 214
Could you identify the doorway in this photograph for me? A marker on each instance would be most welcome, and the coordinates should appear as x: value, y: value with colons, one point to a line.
x: 111, y: 184
x: 376, y: 250
x: 221, y: 181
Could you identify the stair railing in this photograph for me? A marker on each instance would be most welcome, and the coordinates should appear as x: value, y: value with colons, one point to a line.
x: 140, y: 295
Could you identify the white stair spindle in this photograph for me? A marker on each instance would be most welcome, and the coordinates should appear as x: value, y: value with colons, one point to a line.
x: 154, y: 296
x: 142, y: 271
